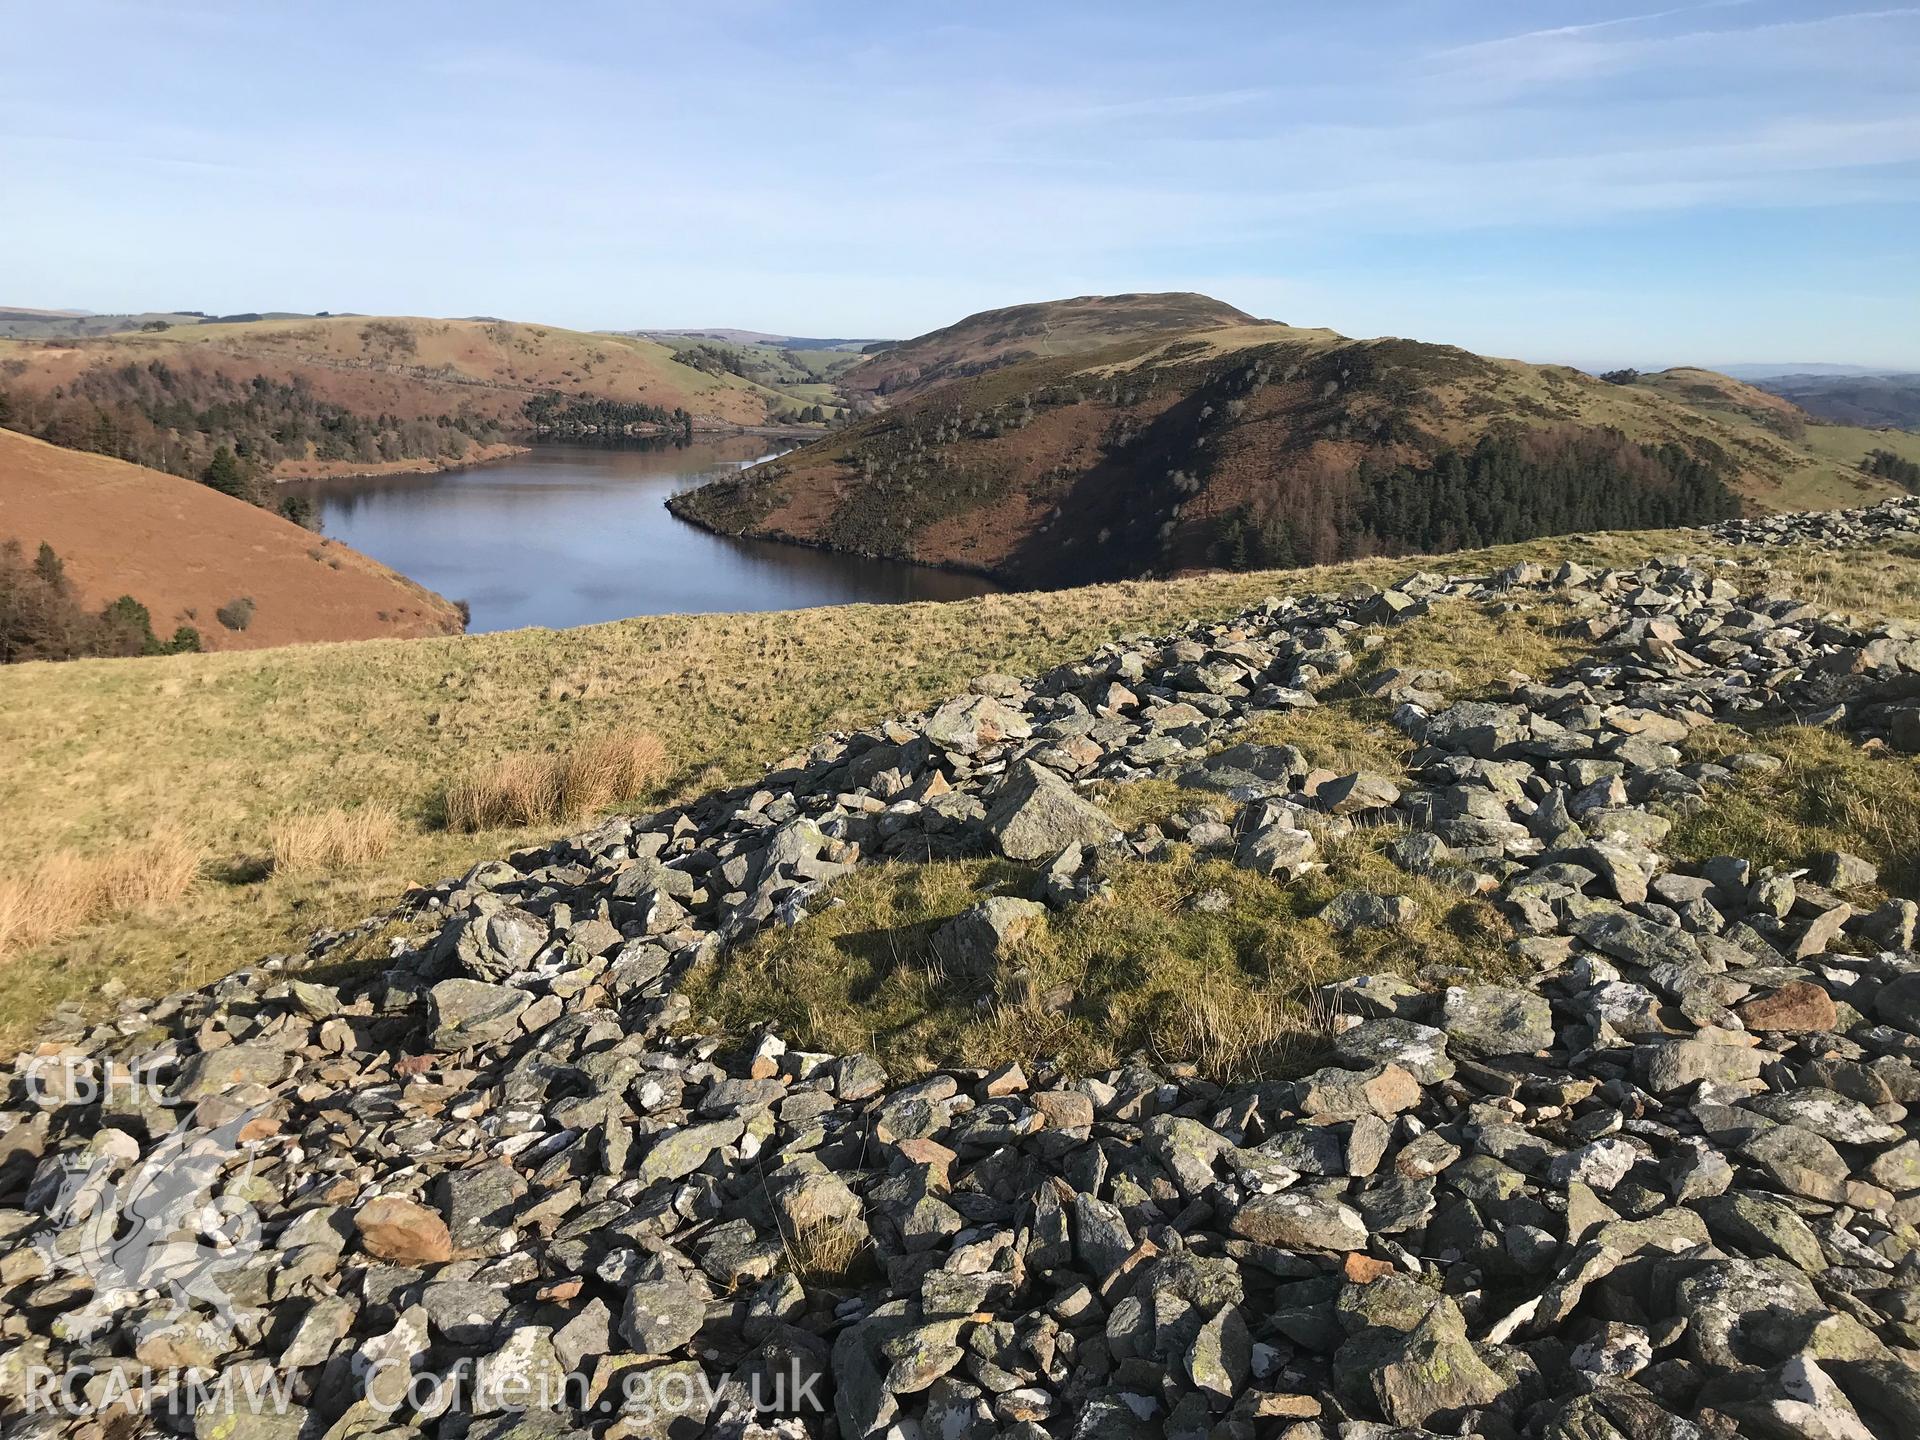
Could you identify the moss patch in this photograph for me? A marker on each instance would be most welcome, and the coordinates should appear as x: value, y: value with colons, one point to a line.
x: 1231, y: 992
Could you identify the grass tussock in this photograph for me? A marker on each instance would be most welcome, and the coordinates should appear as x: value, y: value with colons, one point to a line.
x: 1229, y: 1032
x: 526, y: 790
x: 68, y: 891
x: 826, y: 1252
x: 313, y: 842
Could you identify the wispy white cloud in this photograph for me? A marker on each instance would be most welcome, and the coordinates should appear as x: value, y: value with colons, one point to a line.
x: 792, y: 167
x: 1561, y: 32
x: 1540, y: 57
x: 1147, y: 107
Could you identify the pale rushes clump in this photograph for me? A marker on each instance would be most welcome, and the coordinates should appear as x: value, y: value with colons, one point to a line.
x: 826, y: 1250
x: 1232, y: 1033
x: 68, y: 890
x: 599, y: 772
x: 514, y: 791
x: 313, y: 841
x: 523, y: 790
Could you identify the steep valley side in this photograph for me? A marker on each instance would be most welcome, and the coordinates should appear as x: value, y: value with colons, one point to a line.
x: 1268, y: 445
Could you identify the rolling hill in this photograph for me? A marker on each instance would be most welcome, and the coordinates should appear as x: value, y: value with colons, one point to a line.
x: 1253, y: 444
x: 23, y: 323
x: 806, y: 372
x: 185, y: 551
x: 357, y: 392
x: 1875, y: 401
x: 765, y: 338
x: 415, y: 367
x: 995, y: 339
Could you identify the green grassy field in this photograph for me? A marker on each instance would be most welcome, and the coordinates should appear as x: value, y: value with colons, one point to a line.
x: 1849, y: 444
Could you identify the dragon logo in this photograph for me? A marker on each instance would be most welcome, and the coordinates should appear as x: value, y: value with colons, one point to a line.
x: 159, y: 1228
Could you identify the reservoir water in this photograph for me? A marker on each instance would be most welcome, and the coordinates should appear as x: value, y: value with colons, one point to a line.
x: 576, y: 534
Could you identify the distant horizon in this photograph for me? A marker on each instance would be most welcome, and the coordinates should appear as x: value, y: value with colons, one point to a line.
x: 1729, y: 367
x: 1582, y: 180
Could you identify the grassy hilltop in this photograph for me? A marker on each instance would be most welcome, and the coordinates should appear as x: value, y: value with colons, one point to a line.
x: 1012, y: 335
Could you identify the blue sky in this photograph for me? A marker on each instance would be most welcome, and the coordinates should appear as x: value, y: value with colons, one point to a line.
x: 1718, y: 181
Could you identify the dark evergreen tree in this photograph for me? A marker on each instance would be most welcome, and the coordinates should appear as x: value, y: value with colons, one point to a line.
x: 1888, y: 466
x: 126, y: 628
x: 299, y: 509
x: 1514, y: 487
x: 566, y: 414
x: 224, y: 474
x: 51, y: 569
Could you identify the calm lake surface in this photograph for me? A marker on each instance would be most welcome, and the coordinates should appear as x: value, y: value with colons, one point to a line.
x: 576, y: 534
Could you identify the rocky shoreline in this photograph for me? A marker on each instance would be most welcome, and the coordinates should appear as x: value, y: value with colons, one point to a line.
x: 1663, y: 1185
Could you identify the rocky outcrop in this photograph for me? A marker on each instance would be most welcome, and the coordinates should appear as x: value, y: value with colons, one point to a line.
x: 1657, y: 1178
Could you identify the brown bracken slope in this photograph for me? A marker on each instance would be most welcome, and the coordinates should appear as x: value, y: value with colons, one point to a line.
x: 184, y: 550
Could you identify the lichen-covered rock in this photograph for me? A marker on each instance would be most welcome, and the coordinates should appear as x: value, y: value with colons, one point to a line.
x: 1295, y: 1220
x: 493, y: 943
x: 1434, y: 1374
x: 1352, y: 910
x: 1278, y: 849
x: 661, y: 1316
x: 1496, y: 1020
x: 973, y: 944
x: 1036, y: 814
x: 466, y: 1013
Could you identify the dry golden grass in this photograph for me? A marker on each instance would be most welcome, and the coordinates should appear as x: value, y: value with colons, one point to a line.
x: 1230, y: 1034
x: 606, y: 769
x: 311, y: 841
x: 524, y: 790
x: 68, y: 890
x: 826, y: 1251
x: 514, y: 790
